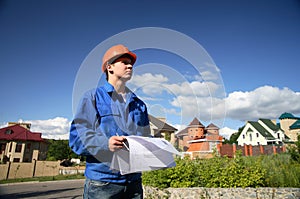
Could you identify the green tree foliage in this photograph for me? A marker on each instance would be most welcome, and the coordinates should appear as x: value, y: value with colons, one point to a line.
x: 233, y: 138
x: 294, y: 150
x: 59, y: 150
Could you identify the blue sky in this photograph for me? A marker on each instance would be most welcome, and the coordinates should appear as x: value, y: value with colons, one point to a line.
x: 255, y: 46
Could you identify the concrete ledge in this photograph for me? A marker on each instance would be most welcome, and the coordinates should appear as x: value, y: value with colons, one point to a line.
x: 222, y: 193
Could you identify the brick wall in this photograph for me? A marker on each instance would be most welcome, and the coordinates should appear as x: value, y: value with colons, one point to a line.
x: 249, y: 150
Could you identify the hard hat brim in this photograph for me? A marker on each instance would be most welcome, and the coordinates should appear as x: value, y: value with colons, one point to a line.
x: 130, y: 55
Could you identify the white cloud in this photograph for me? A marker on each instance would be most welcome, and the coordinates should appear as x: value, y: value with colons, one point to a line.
x: 203, y: 100
x: 227, y: 132
x: 56, y: 128
x: 263, y: 102
x: 155, y: 84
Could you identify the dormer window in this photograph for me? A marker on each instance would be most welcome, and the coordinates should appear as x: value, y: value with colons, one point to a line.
x: 8, y: 132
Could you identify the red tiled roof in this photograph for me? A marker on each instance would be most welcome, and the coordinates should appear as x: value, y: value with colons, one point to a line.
x: 200, y: 146
x: 17, y: 132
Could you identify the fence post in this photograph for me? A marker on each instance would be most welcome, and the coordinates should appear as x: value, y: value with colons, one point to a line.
x: 34, y: 167
x: 233, y: 149
x: 261, y: 148
x: 246, y: 149
x: 8, y: 169
x: 250, y: 150
x: 274, y: 149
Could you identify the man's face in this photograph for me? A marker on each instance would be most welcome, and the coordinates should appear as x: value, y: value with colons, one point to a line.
x: 122, y: 68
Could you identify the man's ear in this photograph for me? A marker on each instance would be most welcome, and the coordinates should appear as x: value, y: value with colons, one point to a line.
x: 109, y: 68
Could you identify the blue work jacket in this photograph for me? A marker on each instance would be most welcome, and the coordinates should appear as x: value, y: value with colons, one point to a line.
x: 103, y: 113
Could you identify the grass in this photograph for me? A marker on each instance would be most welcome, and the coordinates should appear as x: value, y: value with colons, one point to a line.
x: 44, y: 178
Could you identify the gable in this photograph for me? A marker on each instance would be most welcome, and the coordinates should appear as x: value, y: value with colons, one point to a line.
x: 264, y: 132
x: 252, y: 127
x: 17, y: 132
x: 162, y: 126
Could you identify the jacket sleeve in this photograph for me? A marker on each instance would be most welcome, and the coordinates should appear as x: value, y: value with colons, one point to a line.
x: 143, y: 124
x: 85, y: 137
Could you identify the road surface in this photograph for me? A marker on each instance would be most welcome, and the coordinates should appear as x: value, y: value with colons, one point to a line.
x: 71, y: 189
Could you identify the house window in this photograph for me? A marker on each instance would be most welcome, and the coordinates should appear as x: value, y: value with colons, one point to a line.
x: 16, y: 160
x: 257, y: 135
x: 243, y: 136
x: 8, y: 132
x: 2, y: 147
x: 250, y: 136
x: 278, y: 135
x: 28, y: 146
x: 18, y: 148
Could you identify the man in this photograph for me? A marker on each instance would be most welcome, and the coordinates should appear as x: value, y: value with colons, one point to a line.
x: 105, y: 116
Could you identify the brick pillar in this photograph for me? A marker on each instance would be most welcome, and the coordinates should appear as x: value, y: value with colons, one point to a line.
x: 283, y: 149
x: 246, y: 149
x: 233, y: 149
x: 274, y: 149
x: 219, y: 148
x: 250, y: 150
x: 261, y: 148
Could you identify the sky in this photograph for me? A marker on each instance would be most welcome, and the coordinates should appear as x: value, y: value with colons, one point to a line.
x: 224, y: 62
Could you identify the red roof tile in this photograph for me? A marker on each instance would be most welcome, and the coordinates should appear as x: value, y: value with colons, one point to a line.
x: 17, y: 132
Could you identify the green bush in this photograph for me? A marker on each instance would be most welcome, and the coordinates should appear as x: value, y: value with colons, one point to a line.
x: 223, y: 172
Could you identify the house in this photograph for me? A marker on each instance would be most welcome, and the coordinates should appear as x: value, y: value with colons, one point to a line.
x: 198, y: 140
x: 262, y: 132
x: 290, y: 125
x: 159, y: 128
x: 19, y: 144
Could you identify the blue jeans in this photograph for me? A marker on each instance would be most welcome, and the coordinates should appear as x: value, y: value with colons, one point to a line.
x: 105, y: 190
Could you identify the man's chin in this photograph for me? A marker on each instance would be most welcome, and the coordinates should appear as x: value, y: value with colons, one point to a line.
x: 126, y: 77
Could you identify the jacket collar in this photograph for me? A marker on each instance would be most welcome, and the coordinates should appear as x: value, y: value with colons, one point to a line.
x: 110, y: 89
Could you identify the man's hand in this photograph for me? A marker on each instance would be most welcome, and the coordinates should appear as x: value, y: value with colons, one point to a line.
x: 116, y: 143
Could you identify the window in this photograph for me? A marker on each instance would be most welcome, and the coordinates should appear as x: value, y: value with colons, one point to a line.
x: 250, y: 136
x: 8, y: 131
x: 18, y: 148
x: 28, y: 146
x: 278, y: 135
x: 243, y: 136
x: 16, y: 160
x: 2, y: 147
x: 257, y: 135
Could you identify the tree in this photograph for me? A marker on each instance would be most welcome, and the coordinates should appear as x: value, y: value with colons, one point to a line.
x: 59, y: 150
x: 233, y: 138
x: 294, y: 150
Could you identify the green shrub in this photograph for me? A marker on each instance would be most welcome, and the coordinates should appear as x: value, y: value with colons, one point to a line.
x: 223, y: 172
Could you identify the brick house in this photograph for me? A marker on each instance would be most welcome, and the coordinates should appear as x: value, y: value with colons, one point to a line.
x: 19, y: 144
x: 198, y: 140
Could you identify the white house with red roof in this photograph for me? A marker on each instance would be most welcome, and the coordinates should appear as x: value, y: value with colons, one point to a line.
x: 19, y: 144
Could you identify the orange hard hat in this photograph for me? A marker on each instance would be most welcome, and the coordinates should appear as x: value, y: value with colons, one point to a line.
x: 115, y: 52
